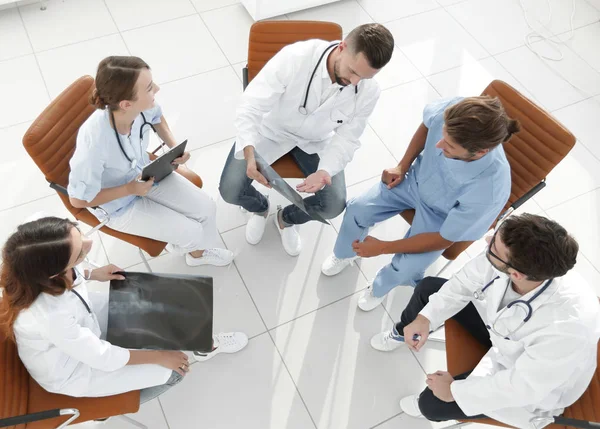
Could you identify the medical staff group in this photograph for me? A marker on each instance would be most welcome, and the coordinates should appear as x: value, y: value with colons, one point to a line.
x: 520, y: 297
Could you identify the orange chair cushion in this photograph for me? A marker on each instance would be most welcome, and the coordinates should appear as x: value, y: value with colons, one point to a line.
x: 14, y: 382
x: 90, y: 408
x: 286, y: 167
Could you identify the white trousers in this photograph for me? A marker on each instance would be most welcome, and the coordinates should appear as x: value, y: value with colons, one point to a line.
x: 174, y: 211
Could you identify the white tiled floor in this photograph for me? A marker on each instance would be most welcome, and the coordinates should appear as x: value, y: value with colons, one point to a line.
x: 308, y: 364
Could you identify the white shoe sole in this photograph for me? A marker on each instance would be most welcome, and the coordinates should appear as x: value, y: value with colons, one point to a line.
x: 198, y: 262
x: 330, y: 273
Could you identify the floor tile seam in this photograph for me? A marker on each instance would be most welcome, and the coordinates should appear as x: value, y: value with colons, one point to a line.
x: 293, y: 381
x: 34, y: 55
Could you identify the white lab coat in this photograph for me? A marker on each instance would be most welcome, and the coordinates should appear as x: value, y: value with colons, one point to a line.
x: 268, y: 116
x: 59, y: 343
x: 545, y: 366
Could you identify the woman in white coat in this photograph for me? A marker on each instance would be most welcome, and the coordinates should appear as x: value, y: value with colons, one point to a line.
x: 46, y: 309
x: 520, y: 298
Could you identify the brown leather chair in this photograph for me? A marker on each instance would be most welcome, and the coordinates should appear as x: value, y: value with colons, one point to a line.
x: 266, y: 39
x: 26, y: 405
x: 463, y: 353
x: 50, y: 141
x: 532, y: 152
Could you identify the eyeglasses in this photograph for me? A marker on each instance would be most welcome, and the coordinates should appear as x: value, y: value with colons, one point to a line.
x: 490, y: 252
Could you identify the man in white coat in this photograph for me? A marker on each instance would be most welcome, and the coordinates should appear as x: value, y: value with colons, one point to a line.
x: 311, y: 100
x: 540, y: 320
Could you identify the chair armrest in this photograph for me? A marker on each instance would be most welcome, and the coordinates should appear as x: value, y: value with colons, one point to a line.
x: 564, y: 421
x: 62, y: 190
x: 528, y: 195
x: 42, y: 415
x: 245, y: 77
x: 59, y: 188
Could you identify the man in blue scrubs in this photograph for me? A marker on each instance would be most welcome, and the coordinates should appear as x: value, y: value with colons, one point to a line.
x: 454, y: 174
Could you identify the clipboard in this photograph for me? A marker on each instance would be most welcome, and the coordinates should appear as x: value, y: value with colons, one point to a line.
x: 282, y: 187
x: 161, y: 167
x: 161, y: 312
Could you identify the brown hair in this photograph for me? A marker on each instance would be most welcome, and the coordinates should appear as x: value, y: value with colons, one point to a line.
x: 37, y: 251
x: 538, y: 246
x: 115, y: 81
x: 478, y: 123
x: 374, y: 41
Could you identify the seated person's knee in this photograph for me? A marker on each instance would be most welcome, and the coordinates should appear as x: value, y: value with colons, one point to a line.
x: 427, y: 405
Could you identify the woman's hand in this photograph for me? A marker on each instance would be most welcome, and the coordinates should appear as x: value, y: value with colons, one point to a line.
x: 139, y: 187
x: 106, y: 273
x: 182, y: 159
x: 174, y: 360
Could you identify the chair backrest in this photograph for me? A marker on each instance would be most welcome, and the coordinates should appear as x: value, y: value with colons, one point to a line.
x: 14, y: 381
x: 268, y: 37
x: 50, y: 140
x: 541, y: 144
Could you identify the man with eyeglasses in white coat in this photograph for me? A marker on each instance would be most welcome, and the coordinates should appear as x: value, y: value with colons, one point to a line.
x: 521, y: 299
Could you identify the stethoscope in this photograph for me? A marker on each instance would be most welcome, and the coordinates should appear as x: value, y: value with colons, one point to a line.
x: 133, y: 162
x: 87, y: 307
x: 479, y: 295
x: 302, y: 108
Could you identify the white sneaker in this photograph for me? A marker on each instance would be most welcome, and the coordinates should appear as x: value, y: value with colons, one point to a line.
x: 229, y: 342
x: 334, y: 265
x: 255, y: 228
x: 290, y: 238
x: 216, y: 257
x: 387, y: 341
x: 410, y: 406
x: 367, y: 301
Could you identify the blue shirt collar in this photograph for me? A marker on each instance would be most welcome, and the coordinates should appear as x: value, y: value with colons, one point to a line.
x: 463, y: 171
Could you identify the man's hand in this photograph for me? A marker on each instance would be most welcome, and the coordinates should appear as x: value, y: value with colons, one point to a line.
x: 368, y: 248
x: 392, y: 177
x: 417, y: 332
x: 253, y: 173
x: 106, y: 273
x: 315, y: 182
x: 439, y: 383
x: 182, y: 159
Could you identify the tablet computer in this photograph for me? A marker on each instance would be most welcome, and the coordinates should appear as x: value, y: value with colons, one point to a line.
x: 161, y: 167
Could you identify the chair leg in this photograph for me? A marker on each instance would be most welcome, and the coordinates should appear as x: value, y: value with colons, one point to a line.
x: 145, y: 260
x: 132, y: 422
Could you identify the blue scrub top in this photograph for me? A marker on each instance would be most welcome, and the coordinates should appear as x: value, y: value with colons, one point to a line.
x: 470, y: 195
x: 98, y: 162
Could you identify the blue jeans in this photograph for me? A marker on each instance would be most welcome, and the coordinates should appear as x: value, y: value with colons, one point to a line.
x: 150, y: 393
x: 236, y: 188
x: 376, y: 205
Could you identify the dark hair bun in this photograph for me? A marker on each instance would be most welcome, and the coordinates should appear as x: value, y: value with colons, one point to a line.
x: 96, y: 100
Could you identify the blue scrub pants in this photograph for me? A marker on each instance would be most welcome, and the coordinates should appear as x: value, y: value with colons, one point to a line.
x: 377, y: 205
